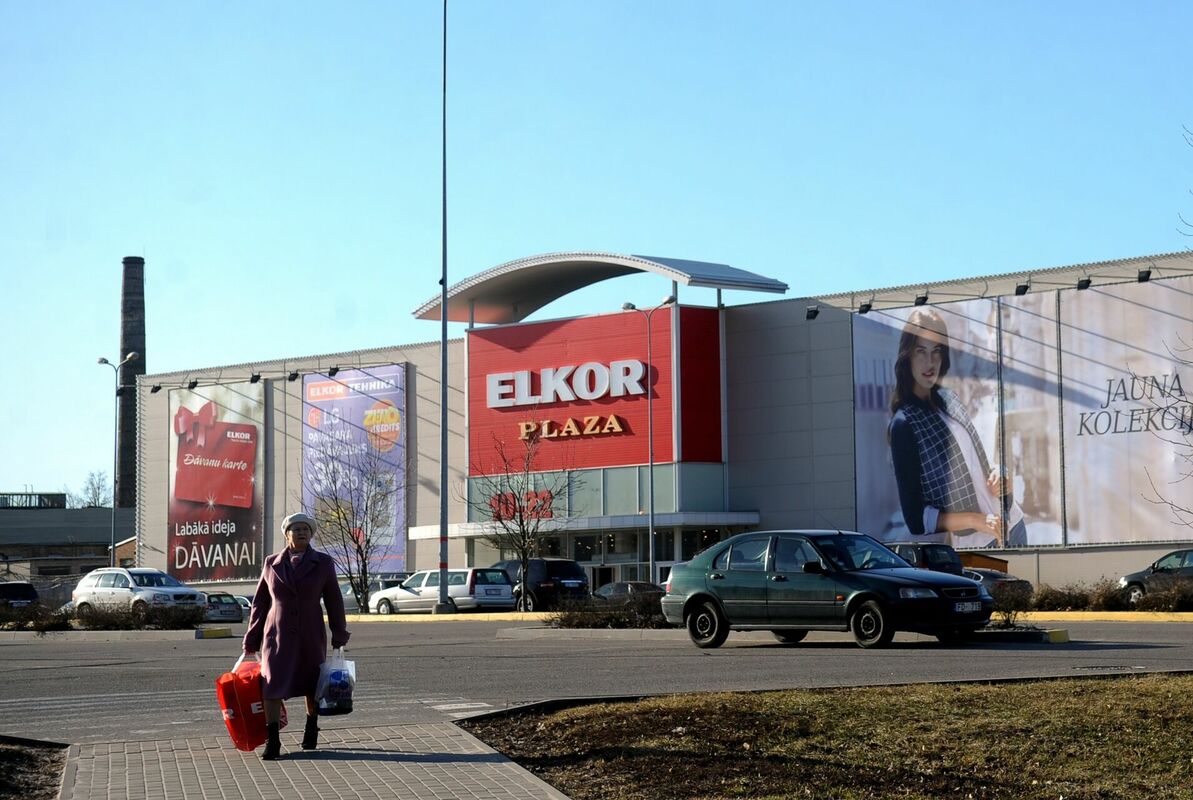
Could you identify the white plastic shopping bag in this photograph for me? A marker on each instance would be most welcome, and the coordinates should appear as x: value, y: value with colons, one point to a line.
x: 337, y: 679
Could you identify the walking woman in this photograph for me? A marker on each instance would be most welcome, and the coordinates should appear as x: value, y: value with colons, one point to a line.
x: 946, y: 483
x: 286, y: 626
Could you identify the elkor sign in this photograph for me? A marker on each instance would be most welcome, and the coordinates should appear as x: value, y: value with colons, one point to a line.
x: 591, y: 380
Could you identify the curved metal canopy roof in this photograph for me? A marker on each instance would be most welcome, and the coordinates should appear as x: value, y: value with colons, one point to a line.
x: 515, y: 290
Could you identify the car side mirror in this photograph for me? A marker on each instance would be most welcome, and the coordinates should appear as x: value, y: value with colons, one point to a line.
x: 814, y: 567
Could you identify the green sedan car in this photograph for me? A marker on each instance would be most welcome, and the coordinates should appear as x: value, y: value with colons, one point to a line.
x: 792, y: 582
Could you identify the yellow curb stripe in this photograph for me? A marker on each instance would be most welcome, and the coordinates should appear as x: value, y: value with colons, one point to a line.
x: 213, y: 633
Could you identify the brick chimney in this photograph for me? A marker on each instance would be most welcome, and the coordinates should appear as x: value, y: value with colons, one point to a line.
x: 132, y: 338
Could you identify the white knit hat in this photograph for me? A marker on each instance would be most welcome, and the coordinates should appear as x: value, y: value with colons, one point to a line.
x: 297, y: 517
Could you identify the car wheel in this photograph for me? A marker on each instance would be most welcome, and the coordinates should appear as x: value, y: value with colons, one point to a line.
x: 83, y: 610
x: 385, y: 607
x: 707, y: 626
x: 1135, y: 593
x: 527, y: 602
x: 790, y: 637
x: 870, y: 626
x: 139, y: 609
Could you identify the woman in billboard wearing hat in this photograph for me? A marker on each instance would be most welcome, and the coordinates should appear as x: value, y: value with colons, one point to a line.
x: 286, y: 626
x: 946, y: 483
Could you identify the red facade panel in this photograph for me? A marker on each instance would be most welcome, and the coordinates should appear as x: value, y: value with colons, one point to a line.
x: 512, y: 366
x: 580, y: 385
x: 700, y: 384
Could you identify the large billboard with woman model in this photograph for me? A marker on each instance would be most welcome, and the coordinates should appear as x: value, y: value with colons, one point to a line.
x: 1045, y: 419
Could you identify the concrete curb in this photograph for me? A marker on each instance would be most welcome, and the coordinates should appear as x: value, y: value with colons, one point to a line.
x: 112, y: 636
x: 213, y: 633
x: 988, y: 636
x: 461, y: 616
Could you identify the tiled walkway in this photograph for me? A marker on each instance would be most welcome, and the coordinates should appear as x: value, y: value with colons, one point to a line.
x: 424, y: 761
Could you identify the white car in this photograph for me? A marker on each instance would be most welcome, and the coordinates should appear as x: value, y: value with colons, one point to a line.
x: 133, y: 589
x: 476, y: 588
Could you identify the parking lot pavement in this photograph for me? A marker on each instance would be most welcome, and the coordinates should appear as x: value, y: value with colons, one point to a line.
x: 430, y: 760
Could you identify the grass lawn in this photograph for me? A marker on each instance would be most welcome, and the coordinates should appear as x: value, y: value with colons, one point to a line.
x: 1124, y: 737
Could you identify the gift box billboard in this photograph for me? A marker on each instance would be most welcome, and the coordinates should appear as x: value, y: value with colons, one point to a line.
x: 354, y: 465
x: 215, y: 516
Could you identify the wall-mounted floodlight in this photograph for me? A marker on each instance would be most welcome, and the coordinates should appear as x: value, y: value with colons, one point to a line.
x: 1021, y: 288
x: 864, y: 308
x: 293, y: 376
x: 255, y: 377
x: 1083, y: 283
x: 331, y: 373
x: 1144, y: 275
x: 192, y: 384
x: 157, y: 387
x: 920, y: 299
x: 812, y: 312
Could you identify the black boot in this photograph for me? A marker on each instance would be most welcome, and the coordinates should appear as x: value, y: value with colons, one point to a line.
x: 310, y: 736
x: 273, y: 745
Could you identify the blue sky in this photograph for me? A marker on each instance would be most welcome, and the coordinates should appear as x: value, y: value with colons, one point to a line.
x: 277, y: 164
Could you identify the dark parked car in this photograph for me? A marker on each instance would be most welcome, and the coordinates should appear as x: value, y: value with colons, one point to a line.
x: 551, y: 580
x: 929, y: 555
x: 1164, y: 574
x: 624, y: 592
x: 792, y: 582
x: 996, y: 581
x: 17, y: 594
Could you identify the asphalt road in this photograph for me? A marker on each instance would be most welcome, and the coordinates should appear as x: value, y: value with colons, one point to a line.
x: 82, y: 692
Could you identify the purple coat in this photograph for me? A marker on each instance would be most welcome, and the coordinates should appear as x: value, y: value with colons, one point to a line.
x: 286, y: 624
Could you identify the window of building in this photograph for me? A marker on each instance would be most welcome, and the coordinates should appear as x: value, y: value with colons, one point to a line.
x: 621, y: 546
x: 588, y: 547
x: 692, y: 542
x: 54, y: 570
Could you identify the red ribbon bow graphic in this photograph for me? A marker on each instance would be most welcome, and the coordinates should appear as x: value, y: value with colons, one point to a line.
x: 195, y: 425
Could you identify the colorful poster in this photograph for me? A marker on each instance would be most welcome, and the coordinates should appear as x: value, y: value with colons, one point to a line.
x: 938, y: 456
x: 215, y: 515
x: 1128, y: 411
x: 354, y: 465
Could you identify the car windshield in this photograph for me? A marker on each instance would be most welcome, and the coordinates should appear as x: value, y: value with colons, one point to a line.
x: 857, y: 553
x: 154, y: 579
x: 939, y: 556
x: 492, y: 576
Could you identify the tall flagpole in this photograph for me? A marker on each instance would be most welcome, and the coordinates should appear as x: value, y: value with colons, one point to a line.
x: 444, y: 606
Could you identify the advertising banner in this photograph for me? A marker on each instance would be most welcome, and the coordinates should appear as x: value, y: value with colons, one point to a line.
x: 215, y: 515
x: 1128, y: 417
x: 354, y: 464
x: 952, y: 411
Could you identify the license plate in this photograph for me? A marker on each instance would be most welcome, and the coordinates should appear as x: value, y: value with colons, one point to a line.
x: 967, y: 608
x: 492, y: 591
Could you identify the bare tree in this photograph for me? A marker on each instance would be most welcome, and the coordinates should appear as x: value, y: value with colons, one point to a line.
x: 517, y: 504
x: 353, y: 493
x: 1175, y: 412
x: 96, y: 493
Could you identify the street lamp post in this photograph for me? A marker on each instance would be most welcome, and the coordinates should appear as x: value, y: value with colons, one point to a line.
x: 132, y: 356
x: 648, y: 313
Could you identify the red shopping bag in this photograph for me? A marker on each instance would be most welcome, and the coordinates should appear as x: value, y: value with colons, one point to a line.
x: 239, y: 695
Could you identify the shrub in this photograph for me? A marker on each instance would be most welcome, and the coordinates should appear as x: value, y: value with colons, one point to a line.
x: 33, y: 618
x: 1072, y: 597
x: 1178, y: 597
x: 639, y: 612
x: 1010, y: 600
x: 168, y: 618
x: 1108, y: 596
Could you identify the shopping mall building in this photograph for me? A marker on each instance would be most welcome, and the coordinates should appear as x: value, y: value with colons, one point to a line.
x: 1067, y: 386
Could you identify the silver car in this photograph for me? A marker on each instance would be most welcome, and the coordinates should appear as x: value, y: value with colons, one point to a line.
x: 469, y: 589
x: 133, y: 589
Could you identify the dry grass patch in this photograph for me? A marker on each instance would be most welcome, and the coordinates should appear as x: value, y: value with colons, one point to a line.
x: 1073, y: 739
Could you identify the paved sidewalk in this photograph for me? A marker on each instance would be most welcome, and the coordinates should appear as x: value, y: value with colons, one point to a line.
x: 436, y: 760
